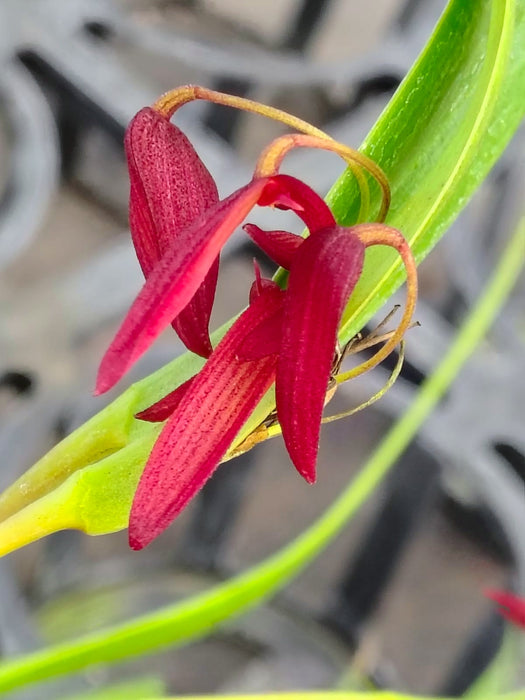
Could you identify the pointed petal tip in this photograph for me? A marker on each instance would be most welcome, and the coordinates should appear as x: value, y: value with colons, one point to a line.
x: 101, y: 386
x: 145, y: 415
x: 499, y: 596
x: 305, y: 465
x: 200, y: 346
x: 140, y: 533
x: 161, y: 410
x: 137, y: 543
x: 308, y: 474
x: 108, y: 375
x: 511, y: 606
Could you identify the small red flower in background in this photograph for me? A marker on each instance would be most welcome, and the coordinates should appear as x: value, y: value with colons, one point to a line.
x: 511, y: 606
x: 286, y: 336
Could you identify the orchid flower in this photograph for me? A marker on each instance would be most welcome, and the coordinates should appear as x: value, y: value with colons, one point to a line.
x: 289, y: 336
x: 179, y: 228
x: 511, y: 606
x: 284, y: 336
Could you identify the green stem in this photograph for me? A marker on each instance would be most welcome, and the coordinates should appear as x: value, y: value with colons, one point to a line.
x: 199, y: 614
x: 339, y: 695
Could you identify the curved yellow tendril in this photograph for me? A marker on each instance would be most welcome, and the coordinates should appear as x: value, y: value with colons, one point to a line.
x: 373, y: 234
x: 271, y: 158
x: 168, y: 104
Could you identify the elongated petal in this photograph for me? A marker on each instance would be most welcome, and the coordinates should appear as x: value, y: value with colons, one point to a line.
x: 511, y: 607
x: 170, y: 185
x: 323, y: 274
x: 174, y: 281
x: 199, y: 433
x: 280, y: 246
x: 169, y: 188
x: 162, y: 409
x: 264, y: 340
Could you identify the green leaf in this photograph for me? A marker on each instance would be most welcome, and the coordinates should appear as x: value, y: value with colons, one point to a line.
x: 443, y: 130
x: 198, y: 615
x: 440, y: 135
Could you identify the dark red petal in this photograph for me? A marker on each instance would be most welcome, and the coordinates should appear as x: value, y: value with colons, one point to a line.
x: 323, y: 274
x: 169, y: 188
x: 173, y: 282
x: 302, y: 199
x: 280, y: 246
x: 199, y: 433
x: 512, y: 606
x: 264, y: 339
x: 170, y: 185
x: 162, y: 409
x: 193, y: 322
x: 141, y: 224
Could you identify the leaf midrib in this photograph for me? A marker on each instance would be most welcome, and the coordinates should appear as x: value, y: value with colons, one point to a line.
x: 499, y: 35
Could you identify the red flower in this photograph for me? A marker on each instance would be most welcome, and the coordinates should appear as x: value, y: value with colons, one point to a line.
x: 511, y: 606
x: 288, y: 336
x: 183, y: 267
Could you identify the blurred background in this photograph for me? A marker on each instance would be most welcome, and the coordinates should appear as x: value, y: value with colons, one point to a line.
x: 398, y: 600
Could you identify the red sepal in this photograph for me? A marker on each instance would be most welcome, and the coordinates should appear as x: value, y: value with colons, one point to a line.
x: 323, y: 273
x: 169, y: 188
x: 280, y: 246
x: 181, y: 270
x: 198, y: 434
x: 288, y: 192
x: 162, y: 409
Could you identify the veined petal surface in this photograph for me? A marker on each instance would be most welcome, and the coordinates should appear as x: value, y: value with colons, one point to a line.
x: 279, y: 246
x: 169, y: 188
x: 170, y: 185
x: 198, y: 434
x: 174, y: 281
x: 323, y: 274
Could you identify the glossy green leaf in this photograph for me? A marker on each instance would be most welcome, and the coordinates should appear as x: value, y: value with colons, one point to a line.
x: 198, y: 615
x: 441, y: 134
x: 437, y: 139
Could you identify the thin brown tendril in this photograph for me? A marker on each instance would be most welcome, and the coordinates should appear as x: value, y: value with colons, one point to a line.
x: 391, y: 381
